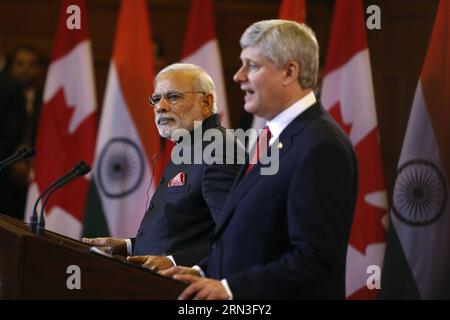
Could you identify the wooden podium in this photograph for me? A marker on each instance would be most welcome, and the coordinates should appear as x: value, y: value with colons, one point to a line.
x: 36, y: 267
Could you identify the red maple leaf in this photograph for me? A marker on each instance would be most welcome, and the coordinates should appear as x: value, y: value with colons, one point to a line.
x: 367, y: 224
x: 58, y: 151
x: 364, y: 293
x: 335, y: 112
x: 367, y: 227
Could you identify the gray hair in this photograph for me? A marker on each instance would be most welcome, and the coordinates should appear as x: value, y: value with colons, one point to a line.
x: 202, y: 82
x: 282, y: 41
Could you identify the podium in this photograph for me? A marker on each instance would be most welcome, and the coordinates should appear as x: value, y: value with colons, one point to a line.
x: 41, y: 267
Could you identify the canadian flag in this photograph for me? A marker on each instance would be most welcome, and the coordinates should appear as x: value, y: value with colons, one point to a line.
x: 347, y: 94
x: 201, y: 48
x: 68, y: 125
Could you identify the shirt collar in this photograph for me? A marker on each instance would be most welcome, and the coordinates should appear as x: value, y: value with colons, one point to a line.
x: 282, y: 120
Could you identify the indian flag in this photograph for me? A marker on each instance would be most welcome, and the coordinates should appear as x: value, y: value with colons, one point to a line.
x: 123, y: 175
x: 417, y: 260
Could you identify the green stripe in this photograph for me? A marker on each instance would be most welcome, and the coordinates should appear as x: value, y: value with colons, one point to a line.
x: 397, y: 281
x: 95, y: 224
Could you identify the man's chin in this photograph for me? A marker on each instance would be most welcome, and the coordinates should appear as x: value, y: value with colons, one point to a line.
x: 250, y: 108
x: 165, y: 132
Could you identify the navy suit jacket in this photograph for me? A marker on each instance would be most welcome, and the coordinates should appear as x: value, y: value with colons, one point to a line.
x: 180, y: 220
x: 285, y: 236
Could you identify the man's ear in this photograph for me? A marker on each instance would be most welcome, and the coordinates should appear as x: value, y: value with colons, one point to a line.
x: 207, y: 105
x: 291, y: 72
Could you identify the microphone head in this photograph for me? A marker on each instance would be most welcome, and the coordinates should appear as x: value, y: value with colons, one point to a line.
x: 24, y: 153
x: 22, y: 150
x: 79, y: 165
x: 76, y: 168
x: 82, y: 168
x: 29, y: 152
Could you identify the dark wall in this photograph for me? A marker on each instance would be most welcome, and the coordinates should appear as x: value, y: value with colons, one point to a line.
x: 397, y: 50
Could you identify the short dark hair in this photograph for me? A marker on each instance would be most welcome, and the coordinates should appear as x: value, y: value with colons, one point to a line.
x: 26, y: 48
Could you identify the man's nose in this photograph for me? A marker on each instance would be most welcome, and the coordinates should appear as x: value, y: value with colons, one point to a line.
x: 162, y: 106
x: 239, y: 76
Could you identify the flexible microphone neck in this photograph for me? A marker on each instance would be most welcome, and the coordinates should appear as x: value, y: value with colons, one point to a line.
x: 79, y: 170
x: 55, y: 185
x: 22, y: 153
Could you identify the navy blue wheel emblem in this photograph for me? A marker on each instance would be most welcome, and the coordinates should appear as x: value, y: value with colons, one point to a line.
x: 420, y: 193
x: 121, y: 168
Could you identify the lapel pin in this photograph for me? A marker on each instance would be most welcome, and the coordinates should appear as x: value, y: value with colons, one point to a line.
x: 280, y: 145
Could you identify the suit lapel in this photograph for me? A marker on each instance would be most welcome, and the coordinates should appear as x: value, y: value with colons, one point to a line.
x: 243, y: 183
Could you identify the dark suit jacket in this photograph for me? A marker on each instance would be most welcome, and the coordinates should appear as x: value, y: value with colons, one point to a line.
x: 285, y: 236
x: 180, y: 219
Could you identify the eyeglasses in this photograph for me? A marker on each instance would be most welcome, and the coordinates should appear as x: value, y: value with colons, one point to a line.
x: 173, y: 97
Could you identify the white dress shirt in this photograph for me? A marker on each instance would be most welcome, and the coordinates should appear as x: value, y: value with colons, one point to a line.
x: 283, y: 119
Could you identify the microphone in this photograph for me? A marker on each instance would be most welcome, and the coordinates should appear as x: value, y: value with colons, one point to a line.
x: 72, y: 173
x: 34, y: 215
x: 22, y: 153
x: 79, y: 170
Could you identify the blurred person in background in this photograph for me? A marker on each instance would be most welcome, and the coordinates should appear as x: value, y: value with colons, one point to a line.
x: 20, y: 118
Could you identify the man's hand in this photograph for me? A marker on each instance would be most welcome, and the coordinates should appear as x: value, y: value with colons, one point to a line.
x: 156, y: 263
x: 117, y: 245
x: 179, y: 270
x: 201, y: 288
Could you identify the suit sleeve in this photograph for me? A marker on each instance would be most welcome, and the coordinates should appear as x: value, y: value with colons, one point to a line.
x: 218, y: 178
x: 318, y: 217
x: 188, y: 257
x: 216, y: 185
x: 192, y: 256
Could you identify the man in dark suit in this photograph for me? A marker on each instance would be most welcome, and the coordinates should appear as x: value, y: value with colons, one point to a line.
x: 283, y: 236
x: 181, y: 216
x: 25, y: 67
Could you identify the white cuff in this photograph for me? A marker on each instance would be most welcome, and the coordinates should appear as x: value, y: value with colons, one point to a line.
x: 227, y: 288
x: 202, y: 274
x: 172, y: 260
x: 129, y: 247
